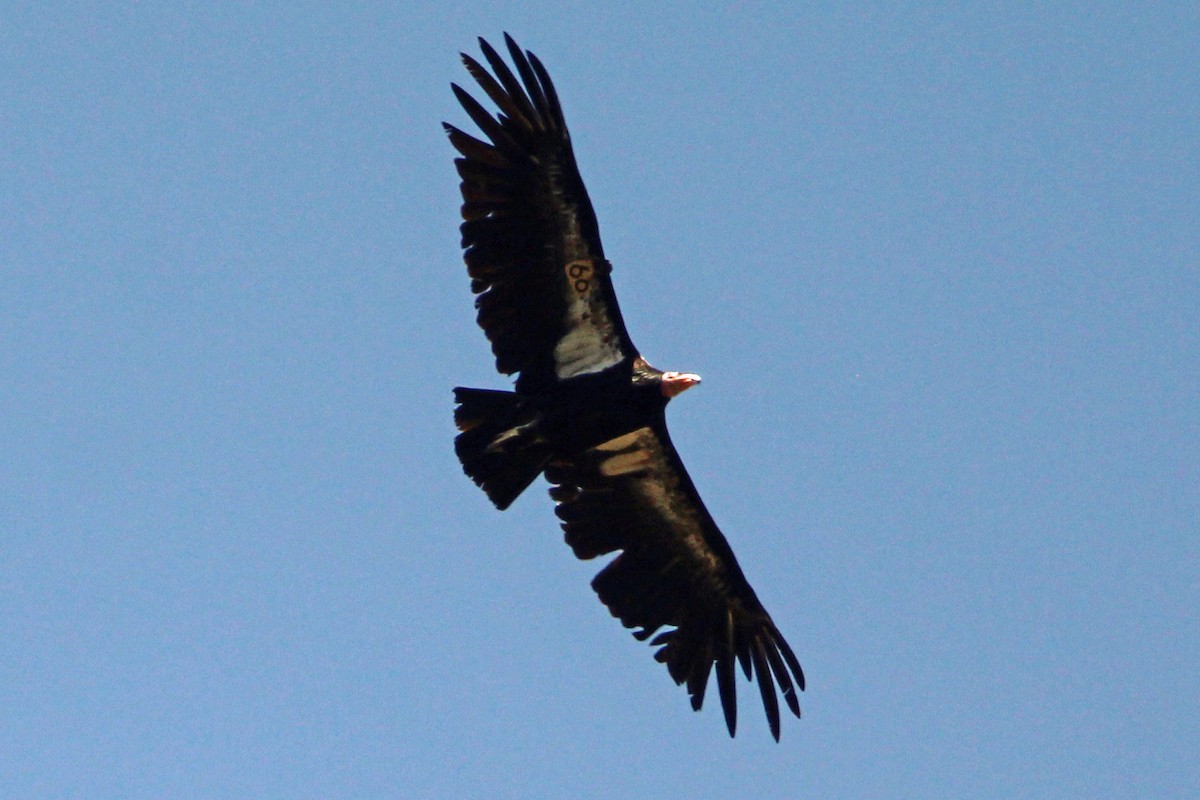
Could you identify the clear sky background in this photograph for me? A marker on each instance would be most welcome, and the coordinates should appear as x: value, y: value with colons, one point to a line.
x: 938, y: 265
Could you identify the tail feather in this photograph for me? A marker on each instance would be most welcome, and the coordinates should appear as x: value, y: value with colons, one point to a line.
x: 499, y: 446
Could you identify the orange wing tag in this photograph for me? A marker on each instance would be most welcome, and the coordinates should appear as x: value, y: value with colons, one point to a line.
x: 580, y: 274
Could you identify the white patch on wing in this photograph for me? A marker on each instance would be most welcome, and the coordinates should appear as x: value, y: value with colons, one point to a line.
x: 621, y: 442
x: 629, y: 455
x: 589, y: 344
x: 584, y: 350
x: 626, y: 463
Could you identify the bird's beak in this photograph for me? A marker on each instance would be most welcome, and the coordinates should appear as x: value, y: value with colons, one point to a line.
x: 674, y: 383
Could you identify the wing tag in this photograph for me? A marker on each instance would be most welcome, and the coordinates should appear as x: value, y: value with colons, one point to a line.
x: 582, y: 271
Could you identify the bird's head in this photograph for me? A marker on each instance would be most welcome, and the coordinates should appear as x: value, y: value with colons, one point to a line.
x: 673, y: 383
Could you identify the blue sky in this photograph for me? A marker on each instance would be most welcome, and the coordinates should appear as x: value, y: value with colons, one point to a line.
x: 937, y: 265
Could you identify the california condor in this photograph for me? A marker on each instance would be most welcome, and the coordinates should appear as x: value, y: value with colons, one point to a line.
x: 588, y: 410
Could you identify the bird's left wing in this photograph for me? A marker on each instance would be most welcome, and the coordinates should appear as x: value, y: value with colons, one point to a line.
x: 675, y: 569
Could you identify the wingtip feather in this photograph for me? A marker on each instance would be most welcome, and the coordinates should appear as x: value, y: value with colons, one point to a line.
x: 766, y: 687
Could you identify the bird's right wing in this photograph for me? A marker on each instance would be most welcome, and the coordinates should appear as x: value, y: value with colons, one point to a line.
x: 532, y: 243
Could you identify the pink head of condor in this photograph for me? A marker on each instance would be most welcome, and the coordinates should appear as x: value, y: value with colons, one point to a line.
x: 674, y: 383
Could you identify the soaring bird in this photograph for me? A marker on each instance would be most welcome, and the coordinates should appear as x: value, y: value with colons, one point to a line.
x: 588, y: 411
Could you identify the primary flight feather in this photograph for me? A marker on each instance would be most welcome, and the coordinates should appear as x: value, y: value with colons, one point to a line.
x: 589, y: 411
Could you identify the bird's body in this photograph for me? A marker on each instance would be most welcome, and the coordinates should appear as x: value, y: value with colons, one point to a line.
x: 588, y: 411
